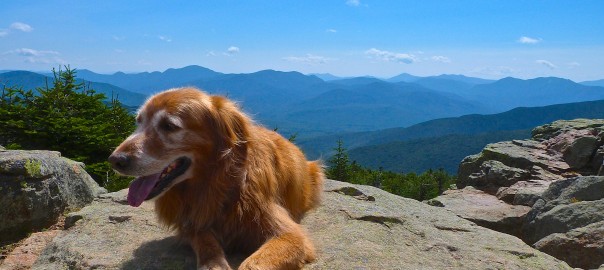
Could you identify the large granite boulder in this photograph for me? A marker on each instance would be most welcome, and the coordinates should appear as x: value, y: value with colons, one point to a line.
x: 582, y: 247
x: 483, y: 209
x: 36, y: 187
x: 356, y: 227
x: 568, y: 204
x: 552, y: 175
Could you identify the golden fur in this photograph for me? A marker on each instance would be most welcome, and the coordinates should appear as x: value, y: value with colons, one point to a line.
x: 246, y: 189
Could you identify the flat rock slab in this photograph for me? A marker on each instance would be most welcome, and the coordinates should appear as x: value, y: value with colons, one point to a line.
x: 357, y: 227
x: 484, y: 209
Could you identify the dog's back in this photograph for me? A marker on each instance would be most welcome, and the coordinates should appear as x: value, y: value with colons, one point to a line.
x: 298, y: 183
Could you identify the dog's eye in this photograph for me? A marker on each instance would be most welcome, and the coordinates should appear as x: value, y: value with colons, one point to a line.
x: 168, y: 126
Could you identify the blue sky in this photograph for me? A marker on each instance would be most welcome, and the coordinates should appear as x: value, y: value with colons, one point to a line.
x: 488, y: 39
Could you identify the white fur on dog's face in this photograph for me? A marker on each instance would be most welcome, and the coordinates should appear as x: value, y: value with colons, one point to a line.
x: 155, y: 144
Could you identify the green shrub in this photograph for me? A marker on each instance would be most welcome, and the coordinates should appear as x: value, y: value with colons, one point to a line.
x: 67, y: 117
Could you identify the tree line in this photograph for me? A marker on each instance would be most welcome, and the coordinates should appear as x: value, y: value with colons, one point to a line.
x: 424, y: 186
x: 68, y: 117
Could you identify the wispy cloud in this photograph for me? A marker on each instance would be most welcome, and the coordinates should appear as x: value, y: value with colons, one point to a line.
x: 391, y: 56
x: 164, y: 38
x: 118, y: 38
x: 546, y: 63
x: 38, y: 56
x: 441, y: 59
x: 528, y: 40
x: 21, y: 27
x: 331, y: 30
x: 232, y: 50
x: 32, y: 52
x: 16, y: 26
x: 308, y: 59
x: 353, y: 3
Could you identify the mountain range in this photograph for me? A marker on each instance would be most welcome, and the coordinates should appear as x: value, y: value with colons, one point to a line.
x: 31, y: 81
x: 442, y: 143
x: 399, y: 113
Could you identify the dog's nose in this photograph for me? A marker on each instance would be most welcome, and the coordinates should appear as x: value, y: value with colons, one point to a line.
x: 119, y: 161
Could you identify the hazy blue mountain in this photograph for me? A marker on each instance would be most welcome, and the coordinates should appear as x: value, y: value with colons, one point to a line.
x: 462, y: 78
x: 420, y: 155
x: 445, y: 85
x: 356, y: 81
x: 374, y: 105
x: 594, y: 83
x: 510, y: 93
x: 516, y: 119
x: 31, y: 81
x: 326, y: 76
x: 152, y: 82
x: 404, y: 77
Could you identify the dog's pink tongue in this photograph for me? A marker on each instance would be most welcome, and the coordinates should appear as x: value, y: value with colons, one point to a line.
x: 140, y: 189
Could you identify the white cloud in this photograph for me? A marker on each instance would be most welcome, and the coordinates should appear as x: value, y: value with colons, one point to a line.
x: 211, y: 53
x: 440, y: 58
x: 331, y: 30
x: 118, y: 38
x: 37, y: 56
x: 574, y: 64
x: 32, y: 52
x: 21, y: 27
x: 528, y: 40
x: 546, y: 63
x: 353, y: 3
x: 309, y: 59
x: 391, y: 56
x: 164, y: 38
x: 232, y: 50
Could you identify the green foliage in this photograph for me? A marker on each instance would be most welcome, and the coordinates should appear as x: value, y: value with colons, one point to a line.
x: 421, y: 187
x: 66, y: 117
x: 339, y: 167
x: 420, y: 155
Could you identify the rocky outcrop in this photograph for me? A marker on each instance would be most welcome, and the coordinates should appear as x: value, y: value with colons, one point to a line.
x: 356, y: 227
x: 36, y: 187
x: 551, y: 177
x: 582, y: 247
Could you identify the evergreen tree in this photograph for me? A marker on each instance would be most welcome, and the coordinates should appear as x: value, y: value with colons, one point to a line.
x: 339, y: 167
x: 66, y: 117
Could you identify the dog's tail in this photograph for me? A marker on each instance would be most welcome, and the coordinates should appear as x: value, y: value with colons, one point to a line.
x: 314, y: 188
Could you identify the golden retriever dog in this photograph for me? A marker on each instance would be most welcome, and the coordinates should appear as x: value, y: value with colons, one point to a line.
x: 224, y: 183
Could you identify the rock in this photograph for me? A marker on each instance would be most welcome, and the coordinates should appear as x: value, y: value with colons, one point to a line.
x: 349, y: 230
x: 579, y: 152
x: 566, y: 205
x: 546, y: 132
x: 518, y: 160
x: 36, y: 187
x: 484, y: 209
x: 582, y: 247
x: 523, y: 192
x: 25, y: 255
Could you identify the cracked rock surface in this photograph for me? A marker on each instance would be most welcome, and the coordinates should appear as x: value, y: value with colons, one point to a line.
x: 357, y: 227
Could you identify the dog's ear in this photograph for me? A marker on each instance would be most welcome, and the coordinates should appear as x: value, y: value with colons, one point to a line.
x: 231, y: 127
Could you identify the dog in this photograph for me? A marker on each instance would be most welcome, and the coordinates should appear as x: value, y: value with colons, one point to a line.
x: 222, y: 182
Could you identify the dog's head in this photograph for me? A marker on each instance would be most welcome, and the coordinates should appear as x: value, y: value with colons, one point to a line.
x: 178, y: 132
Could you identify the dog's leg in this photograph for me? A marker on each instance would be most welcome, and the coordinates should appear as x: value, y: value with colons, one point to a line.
x: 289, y: 248
x: 210, y: 255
